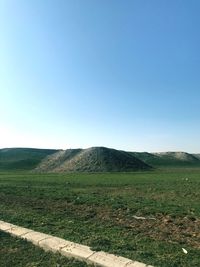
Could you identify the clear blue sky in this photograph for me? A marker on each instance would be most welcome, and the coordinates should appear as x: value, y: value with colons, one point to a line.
x: 81, y: 73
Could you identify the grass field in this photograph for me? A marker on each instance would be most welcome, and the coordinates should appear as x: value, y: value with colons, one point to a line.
x: 99, y: 210
x: 17, y: 252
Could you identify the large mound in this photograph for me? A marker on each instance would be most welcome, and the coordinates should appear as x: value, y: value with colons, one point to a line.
x: 22, y: 158
x: 169, y: 159
x: 95, y: 159
x: 56, y: 160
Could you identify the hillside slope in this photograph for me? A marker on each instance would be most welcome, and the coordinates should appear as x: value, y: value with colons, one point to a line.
x: 95, y: 159
x: 169, y: 159
x: 196, y: 156
x: 22, y: 158
x: 56, y: 160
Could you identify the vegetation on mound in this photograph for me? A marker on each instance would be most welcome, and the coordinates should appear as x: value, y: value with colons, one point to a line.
x: 95, y: 159
x: 51, y: 162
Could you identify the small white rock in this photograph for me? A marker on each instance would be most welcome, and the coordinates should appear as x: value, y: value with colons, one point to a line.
x: 184, y: 251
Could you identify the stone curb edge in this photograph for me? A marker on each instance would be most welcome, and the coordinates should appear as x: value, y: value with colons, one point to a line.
x: 69, y: 249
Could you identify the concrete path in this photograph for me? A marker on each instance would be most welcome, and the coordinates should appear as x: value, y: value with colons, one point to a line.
x: 69, y: 249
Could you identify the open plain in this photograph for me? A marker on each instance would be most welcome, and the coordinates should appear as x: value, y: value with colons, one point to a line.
x: 146, y: 216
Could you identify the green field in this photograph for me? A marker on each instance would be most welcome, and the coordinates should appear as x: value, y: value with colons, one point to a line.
x: 17, y: 252
x: 99, y: 210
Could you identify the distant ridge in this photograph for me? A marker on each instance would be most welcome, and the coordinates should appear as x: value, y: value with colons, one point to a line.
x: 169, y: 159
x: 94, y: 159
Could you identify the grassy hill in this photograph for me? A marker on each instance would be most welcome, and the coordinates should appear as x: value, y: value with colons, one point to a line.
x: 196, y: 156
x: 95, y: 159
x: 22, y: 158
x: 169, y: 159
